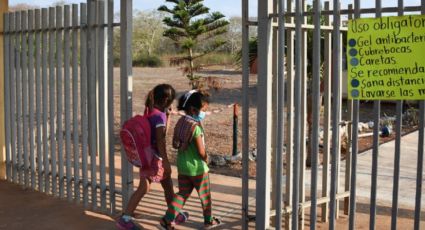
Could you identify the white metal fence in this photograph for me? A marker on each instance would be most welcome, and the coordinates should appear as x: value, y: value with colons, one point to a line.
x: 282, y: 116
x: 60, y: 111
x: 59, y: 91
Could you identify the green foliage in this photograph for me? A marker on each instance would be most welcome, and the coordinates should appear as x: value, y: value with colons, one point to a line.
x: 411, y: 116
x: 194, y: 31
x: 147, y: 42
x: 233, y: 36
x: 145, y: 60
x: 147, y: 32
x: 310, y: 44
x: 252, y: 52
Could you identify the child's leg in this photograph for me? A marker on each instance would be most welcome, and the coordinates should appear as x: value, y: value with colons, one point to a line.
x: 144, y: 187
x: 167, y: 185
x: 202, y: 186
x: 185, y: 189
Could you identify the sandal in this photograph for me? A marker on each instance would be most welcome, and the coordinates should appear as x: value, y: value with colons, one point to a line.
x: 181, y: 218
x: 166, y: 225
x: 215, y: 222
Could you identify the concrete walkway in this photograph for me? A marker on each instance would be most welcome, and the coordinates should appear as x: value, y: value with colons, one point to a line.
x: 407, y: 185
x: 24, y: 209
x: 408, y: 166
x: 227, y: 199
x: 408, y: 171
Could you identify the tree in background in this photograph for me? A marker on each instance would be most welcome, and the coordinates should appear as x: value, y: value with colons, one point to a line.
x: 190, y: 28
x: 234, y: 35
x: 148, y: 31
x: 147, y: 42
x: 21, y: 7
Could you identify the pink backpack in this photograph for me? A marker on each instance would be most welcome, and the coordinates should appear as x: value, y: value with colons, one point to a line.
x: 136, y: 140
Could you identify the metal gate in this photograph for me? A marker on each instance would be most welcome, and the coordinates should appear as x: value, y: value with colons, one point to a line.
x: 282, y: 101
x: 60, y: 110
x: 59, y: 92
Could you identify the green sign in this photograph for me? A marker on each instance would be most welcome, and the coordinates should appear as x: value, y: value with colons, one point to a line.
x: 386, y: 58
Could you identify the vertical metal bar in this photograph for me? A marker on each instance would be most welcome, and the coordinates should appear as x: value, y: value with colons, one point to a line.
x: 348, y: 171
x: 24, y: 59
x: 75, y: 132
x: 353, y: 176
x: 375, y: 151
x: 274, y: 109
x: 12, y: 63
x: 399, y: 121
x: 348, y: 159
x: 83, y: 91
x: 420, y: 165
x: 38, y: 92
x: 245, y: 113
x: 335, y: 110
x: 7, y: 79
x: 102, y: 97
x: 303, y: 114
x: 19, y: 96
x: 91, y: 82
x: 316, y: 103
x: 111, y: 116
x: 265, y: 44
x: 52, y: 99
x: 338, y: 174
x: 31, y: 94
x: 327, y: 114
x: 67, y: 96
x: 126, y: 84
x: 45, y: 90
x: 290, y: 112
x: 59, y: 93
x: 280, y: 112
x: 354, y: 147
x: 298, y: 108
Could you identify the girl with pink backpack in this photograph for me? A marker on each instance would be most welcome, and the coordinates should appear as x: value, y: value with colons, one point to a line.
x: 143, y: 138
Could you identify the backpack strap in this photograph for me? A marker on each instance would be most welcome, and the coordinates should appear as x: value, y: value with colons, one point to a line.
x: 150, y: 112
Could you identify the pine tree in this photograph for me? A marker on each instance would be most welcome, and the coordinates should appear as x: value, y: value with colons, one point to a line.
x: 195, y: 31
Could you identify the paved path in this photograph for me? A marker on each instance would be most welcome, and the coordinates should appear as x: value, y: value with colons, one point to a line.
x: 25, y: 209
x: 408, y: 166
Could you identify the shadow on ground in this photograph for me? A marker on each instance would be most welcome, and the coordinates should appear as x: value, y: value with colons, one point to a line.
x: 26, y: 209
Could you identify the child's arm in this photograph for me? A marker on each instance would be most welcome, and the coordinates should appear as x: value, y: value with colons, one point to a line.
x: 161, y: 143
x: 201, y: 148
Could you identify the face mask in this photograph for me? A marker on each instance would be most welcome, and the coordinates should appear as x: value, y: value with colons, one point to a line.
x: 200, y: 116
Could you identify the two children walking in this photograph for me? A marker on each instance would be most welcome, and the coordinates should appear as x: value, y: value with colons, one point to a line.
x: 192, y: 165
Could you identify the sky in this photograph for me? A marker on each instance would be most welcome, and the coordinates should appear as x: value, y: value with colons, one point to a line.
x: 227, y: 7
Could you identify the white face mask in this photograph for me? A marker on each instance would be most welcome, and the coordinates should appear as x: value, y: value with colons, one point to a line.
x: 200, y: 117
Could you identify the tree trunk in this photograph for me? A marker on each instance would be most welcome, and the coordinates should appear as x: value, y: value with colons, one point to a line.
x: 191, y: 68
x: 310, y: 125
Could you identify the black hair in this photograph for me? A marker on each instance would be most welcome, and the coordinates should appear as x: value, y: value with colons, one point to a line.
x: 163, y: 95
x: 195, y: 100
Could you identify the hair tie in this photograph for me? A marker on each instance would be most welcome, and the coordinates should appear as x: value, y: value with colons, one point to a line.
x: 187, y: 96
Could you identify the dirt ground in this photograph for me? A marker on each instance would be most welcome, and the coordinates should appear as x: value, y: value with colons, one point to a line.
x: 219, y: 123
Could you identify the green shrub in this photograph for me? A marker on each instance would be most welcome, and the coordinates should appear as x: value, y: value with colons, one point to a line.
x: 253, y: 45
x: 147, y: 61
